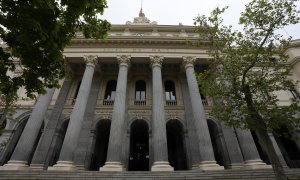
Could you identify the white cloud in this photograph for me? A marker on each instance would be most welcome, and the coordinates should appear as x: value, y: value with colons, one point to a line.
x: 172, y: 12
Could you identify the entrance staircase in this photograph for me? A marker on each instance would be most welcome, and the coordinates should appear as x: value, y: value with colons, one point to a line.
x: 266, y: 174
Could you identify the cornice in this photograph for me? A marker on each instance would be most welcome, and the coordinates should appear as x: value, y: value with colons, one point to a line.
x: 148, y: 41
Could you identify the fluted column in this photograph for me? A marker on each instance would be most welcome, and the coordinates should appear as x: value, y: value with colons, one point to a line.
x: 207, y: 158
x: 113, y: 160
x: 159, y: 136
x: 65, y: 161
x: 22, y: 152
x: 249, y: 150
x: 233, y: 148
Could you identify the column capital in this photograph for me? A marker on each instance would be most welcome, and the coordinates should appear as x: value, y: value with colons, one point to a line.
x: 156, y: 60
x: 123, y: 60
x: 188, y: 61
x: 91, y: 60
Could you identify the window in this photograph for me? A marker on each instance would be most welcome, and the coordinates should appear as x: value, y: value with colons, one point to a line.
x: 110, y: 92
x: 140, y: 90
x: 170, y: 91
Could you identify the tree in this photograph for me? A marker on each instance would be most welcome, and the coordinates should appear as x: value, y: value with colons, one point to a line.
x: 247, y: 68
x: 35, y: 33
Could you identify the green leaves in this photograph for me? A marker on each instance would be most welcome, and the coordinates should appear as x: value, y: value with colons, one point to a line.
x: 248, y: 68
x: 36, y: 33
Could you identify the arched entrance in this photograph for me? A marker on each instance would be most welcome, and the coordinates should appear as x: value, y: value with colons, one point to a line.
x: 216, y: 141
x: 13, y: 141
x: 100, y: 150
x: 176, y: 150
x: 59, y: 142
x: 139, y: 146
x: 288, y: 147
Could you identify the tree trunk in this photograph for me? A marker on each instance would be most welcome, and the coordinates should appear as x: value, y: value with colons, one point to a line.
x: 3, y: 116
x: 267, y: 145
x: 262, y: 133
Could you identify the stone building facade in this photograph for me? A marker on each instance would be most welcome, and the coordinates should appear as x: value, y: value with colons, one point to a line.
x: 132, y: 103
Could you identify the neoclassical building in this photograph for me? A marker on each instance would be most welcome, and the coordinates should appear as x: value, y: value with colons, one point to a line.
x: 132, y: 103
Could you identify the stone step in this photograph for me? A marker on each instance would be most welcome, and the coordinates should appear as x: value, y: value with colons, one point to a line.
x: 135, y: 175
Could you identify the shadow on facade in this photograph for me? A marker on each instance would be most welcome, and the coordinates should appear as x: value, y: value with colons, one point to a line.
x: 216, y: 141
x: 288, y: 147
x: 139, y: 146
x: 176, y: 149
x: 101, y: 144
x: 59, y: 142
x: 13, y: 141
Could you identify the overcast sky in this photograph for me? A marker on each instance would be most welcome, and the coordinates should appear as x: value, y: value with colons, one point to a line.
x: 173, y: 12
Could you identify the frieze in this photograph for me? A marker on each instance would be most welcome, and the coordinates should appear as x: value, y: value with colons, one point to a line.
x: 103, y: 112
x: 139, y: 113
x: 174, y: 113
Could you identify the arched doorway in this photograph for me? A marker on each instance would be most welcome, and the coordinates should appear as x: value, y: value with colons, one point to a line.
x: 13, y: 141
x: 216, y: 141
x: 175, y: 141
x: 100, y: 150
x: 288, y: 147
x: 59, y: 142
x: 139, y: 146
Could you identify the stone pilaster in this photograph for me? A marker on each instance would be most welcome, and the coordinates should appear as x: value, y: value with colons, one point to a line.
x: 206, y: 150
x: 65, y: 161
x: 249, y: 150
x: 159, y: 136
x: 113, y: 162
x: 21, y: 154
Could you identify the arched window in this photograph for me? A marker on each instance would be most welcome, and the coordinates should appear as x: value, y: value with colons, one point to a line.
x: 140, y: 90
x: 110, y: 92
x: 170, y: 93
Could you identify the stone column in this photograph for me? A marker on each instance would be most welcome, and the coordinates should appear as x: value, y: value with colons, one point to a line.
x: 249, y: 150
x: 234, y: 151
x: 159, y: 135
x: 277, y: 150
x: 65, y: 161
x: 20, y: 157
x: 207, y: 157
x: 114, y: 152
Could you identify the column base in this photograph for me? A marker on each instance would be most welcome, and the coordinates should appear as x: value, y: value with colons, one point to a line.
x: 63, y: 166
x: 36, y: 167
x: 256, y: 164
x: 161, y: 166
x: 112, y: 166
x: 14, y: 165
x: 210, y: 166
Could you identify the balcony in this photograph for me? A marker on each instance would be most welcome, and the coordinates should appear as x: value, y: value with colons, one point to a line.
x: 139, y: 102
x: 171, y: 102
x: 108, y: 102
